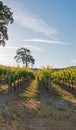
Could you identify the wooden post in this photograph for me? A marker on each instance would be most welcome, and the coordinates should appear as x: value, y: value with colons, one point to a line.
x: 9, y: 84
x: 14, y: 88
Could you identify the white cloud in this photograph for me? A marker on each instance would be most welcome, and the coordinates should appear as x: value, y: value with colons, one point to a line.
x: 25, y: 46
x: 74, y: 61
x: 45, y: 41
x: 11, y: 47
x: 3, y: 59
x: 31, y: 21
x: 33, y: 47
x: 34, y: 23
x: 3, y: 56
x: 7, y: 47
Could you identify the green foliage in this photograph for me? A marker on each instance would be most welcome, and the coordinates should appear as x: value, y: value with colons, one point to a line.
x: 15, y: 73
x: 23, y: 55
x: 5, y: 18
x: 31, y: 92
x: 44, y: 75
x: 67, y: 75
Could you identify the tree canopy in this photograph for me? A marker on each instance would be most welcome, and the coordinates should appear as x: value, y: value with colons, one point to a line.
x: 6, y: 17
x: 23, y: 55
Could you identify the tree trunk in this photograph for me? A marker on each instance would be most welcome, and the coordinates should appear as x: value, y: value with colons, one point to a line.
x: 26, y: 65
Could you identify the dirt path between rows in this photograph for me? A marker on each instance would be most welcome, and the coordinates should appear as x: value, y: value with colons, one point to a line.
x: 45, y: 96
x: 50, y: 97
x: 4, y: 98
x: 36, y: 114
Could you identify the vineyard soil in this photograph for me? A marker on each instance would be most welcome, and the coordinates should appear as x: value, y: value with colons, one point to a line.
x: 36, y: 108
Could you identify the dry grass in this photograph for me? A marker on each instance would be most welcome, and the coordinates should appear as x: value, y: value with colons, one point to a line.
x: 3, y: 88
x: 31, y: 92
x: 64, y: 94
x: 28, y: 112
x: 44, y: 116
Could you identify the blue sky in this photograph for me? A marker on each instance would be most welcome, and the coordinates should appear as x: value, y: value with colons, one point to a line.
x: 46, y: 27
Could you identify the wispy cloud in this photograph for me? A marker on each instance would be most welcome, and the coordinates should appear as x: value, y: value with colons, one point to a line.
x: 36, y: 24
x: 32, y: 21
x: 45, y: 41
x: 11, y: 47
x: 3, y: 59
x: 8, y: 47
x: 33, y: 47
x: 74, y: 61
x: 25, y: 46
x: 2, y: 56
